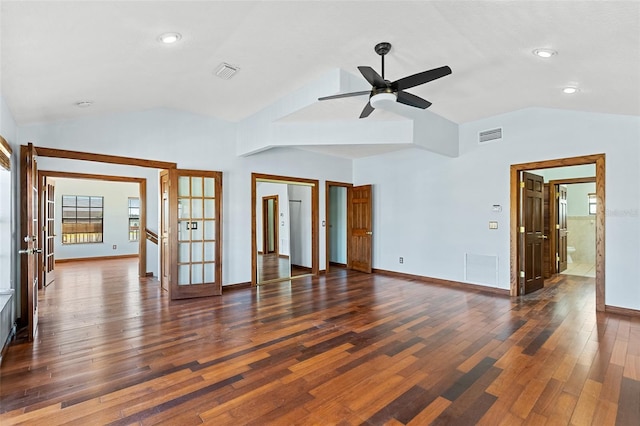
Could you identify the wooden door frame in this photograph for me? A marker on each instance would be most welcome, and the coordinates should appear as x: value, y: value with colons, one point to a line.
x: 348, y: 186
x: 82, y: 156
x: 142, y: 192
x: 265, y: 220
x: 515, y: 169
x: 315, y: 217
x: 553, y: 209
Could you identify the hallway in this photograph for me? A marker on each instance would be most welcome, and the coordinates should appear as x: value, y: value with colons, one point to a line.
x: 346, y: 348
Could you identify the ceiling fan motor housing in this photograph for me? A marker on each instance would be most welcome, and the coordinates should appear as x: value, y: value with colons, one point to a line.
x: 383, y: 48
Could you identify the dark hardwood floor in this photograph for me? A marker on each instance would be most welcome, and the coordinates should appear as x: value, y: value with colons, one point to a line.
x: 346, y: 349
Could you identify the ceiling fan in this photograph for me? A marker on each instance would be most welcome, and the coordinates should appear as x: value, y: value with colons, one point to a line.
x: 385, y: 91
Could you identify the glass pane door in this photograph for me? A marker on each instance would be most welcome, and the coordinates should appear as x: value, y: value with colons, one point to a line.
x: 198, y: 225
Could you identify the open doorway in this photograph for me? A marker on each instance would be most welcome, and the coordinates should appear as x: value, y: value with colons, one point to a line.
x: 526, y: 240
x: 30, y: 225
x: 296, y: 212
x: 65, y: 232
x: 338, y: 227
x: 572, y: 212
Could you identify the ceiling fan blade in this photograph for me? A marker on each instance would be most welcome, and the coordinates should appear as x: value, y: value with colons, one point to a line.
x: 420, y: 78
x: 412, y: 100
x: 368, y: 109
x: 345, y: 95
x: 372, y: 77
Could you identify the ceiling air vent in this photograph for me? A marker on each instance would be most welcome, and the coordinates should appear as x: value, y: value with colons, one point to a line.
x: 226, y: 71
x: 490, y: 135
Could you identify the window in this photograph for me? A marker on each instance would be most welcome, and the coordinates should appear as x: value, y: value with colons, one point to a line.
x: 134, y: 219
x: 82, y: 219
x: 592, y: 203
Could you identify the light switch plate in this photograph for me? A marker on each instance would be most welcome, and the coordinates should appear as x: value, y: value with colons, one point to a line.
x: 493, y: 225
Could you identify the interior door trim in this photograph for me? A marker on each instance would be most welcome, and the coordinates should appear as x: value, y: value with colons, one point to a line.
x: 142, y: 192
x: 553, y: 209
x: 515, y: 169
x: 315, y: 218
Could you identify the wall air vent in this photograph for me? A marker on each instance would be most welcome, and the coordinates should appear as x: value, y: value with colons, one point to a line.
x: 490, y: 135
x: 226, y: 71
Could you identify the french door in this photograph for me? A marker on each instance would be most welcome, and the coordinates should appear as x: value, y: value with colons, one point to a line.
x: 191, y: 233
x: 30, y: 230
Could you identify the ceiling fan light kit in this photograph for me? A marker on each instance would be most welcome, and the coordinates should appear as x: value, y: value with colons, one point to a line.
x: 384, y: 91
x: 379, y: 100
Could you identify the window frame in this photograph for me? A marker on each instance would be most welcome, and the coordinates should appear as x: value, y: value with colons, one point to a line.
x: 593, y: 203
x: 133, y: 230
x: 86, y: 236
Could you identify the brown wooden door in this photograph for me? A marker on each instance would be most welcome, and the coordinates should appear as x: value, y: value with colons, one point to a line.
x: 165, y: 263
x: 361, y: 228
x: 30, y: 249
x: 561, y: 240
x: 194, y: 234
x: 49, y: 234
x: 532, y: 227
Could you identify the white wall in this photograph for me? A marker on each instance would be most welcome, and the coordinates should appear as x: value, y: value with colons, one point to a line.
x: 9, y: 235
x: 432, y: 210
x: 5, y: 228
x: 300, y: 233
x: 194, y: 142
x: 115, y: 221
x: 338, y: 223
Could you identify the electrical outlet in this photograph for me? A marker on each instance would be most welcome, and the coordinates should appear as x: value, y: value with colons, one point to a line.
x: 401, y: 259
x: 115, y: 247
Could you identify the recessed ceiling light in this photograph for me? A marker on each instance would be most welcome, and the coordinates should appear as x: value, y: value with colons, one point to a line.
x: 84, y: 104
x: 169, y: 38
x: 570, y: 90
x: 544, y: 53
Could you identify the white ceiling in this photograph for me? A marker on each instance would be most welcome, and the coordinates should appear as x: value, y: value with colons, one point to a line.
x: 55, y: 54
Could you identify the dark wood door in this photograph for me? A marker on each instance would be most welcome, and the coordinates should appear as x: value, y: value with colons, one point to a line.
x: 194, y: 237
x: 49, y: 233
x: 532, y: 232
x: 561, y: 240
x: 30, y: 230
x: 361, y: 228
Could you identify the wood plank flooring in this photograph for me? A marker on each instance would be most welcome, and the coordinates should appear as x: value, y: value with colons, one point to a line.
x: 345, y: 349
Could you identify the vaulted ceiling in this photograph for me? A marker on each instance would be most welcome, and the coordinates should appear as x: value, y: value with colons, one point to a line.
x: 55, y: 54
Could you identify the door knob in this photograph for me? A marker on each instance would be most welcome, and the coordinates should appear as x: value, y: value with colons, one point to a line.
x: 544, y: 237
x: 25, y: 251
x: 369, y: 233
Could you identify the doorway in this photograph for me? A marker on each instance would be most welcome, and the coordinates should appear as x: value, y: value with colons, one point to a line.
x: 48, y: 209
x: 573, y: 213
x: 30, y: 265
x: 518, y: 230
x: 296, y: 218
x: 338, y: 227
